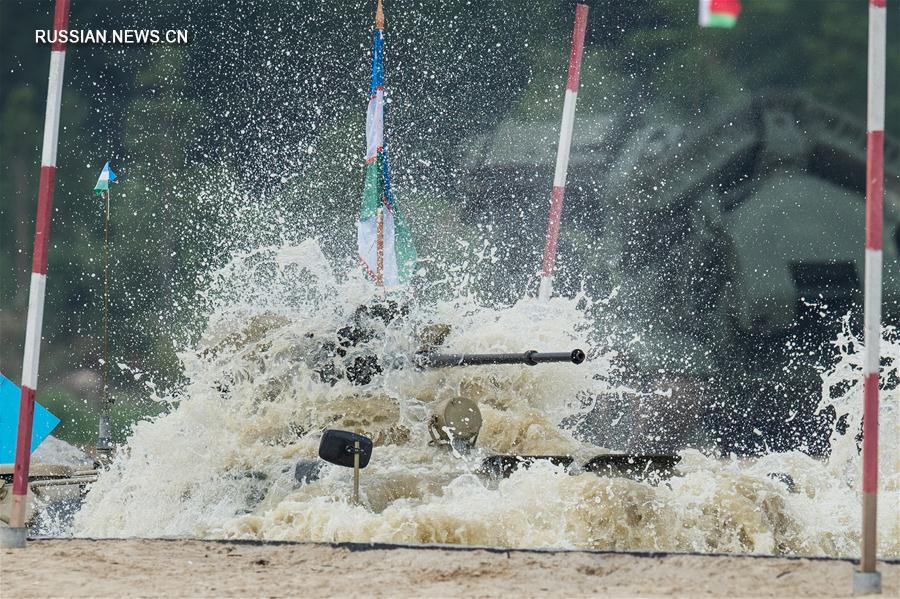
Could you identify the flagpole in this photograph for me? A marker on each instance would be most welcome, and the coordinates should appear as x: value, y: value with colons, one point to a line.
x: 562, y: 152
x: 867, y: 580
x: 15, y: 534
x: 379, y: 251
x: 104, y: 438
x: 379, y: 236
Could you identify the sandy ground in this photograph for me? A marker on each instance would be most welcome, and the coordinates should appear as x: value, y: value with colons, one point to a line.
x: 182, y: 568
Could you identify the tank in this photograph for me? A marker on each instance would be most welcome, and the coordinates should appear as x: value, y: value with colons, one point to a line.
x: 733, y: 248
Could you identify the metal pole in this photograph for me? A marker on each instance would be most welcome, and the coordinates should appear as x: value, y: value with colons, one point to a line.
x: 867, y: 580
x: 15, y: 535
x: 562, y: 151
x: 104, y: 437
x: 356, y: 473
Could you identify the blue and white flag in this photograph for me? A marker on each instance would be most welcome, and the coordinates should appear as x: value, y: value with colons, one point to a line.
x: 107, y: 176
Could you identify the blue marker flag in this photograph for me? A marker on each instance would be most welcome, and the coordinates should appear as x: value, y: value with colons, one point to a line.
x: 44, y: 421
x: 107, y: 176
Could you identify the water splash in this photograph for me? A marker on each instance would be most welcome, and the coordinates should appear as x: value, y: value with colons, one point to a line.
x: 221, y: 462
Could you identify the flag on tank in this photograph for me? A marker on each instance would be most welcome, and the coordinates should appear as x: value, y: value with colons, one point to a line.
x: 399, y: 253
x: 719, y: 13
x: 107, y: 176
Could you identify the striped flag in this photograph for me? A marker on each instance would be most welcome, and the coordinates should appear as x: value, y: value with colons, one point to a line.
x: 107, y: 176
x: 719, y: 13
x: 385, y: 245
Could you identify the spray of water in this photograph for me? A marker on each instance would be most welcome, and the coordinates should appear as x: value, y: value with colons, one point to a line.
x: 272, y: 135
x: 220, y: 462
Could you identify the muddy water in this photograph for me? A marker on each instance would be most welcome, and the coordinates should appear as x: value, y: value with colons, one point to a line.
x: 221, y: 462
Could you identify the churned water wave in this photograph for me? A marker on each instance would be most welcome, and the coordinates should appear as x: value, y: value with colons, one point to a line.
x: 221, y: 462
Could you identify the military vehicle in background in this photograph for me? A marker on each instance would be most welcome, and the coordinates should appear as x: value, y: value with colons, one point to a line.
x: 731, y: 250
x: 59, y: 477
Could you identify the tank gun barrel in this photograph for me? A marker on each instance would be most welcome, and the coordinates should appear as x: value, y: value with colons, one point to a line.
x: 531, y: 358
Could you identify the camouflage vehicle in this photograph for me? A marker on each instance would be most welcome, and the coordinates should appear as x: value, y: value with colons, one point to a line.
x: 732, y: 248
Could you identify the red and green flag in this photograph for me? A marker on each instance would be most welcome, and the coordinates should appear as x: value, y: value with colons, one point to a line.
x: 719, y: 13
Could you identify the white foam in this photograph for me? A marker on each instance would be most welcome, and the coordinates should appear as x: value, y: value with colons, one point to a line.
x: 220, y: 464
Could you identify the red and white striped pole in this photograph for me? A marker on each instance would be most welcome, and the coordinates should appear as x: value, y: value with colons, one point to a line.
x: 17, y: 531
x: 867, y: 580
x: 562, y: 151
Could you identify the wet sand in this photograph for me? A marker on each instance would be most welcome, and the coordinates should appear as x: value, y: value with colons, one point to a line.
x: 194, y: 568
